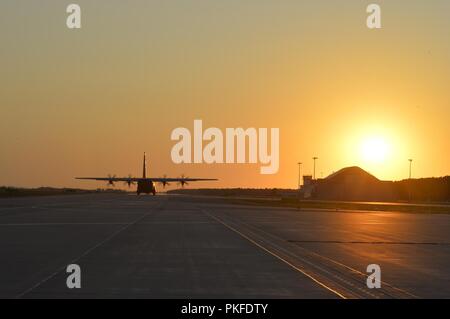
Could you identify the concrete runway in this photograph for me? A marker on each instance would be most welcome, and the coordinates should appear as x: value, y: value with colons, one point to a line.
x: 184, y: 247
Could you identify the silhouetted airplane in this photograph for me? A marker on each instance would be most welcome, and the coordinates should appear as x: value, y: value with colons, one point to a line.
x: 147, y: 184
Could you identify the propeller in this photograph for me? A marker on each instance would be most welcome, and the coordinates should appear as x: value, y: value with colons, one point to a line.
x: 111, y: 182
x: 182, y: 182
x: 129, y: 182
x: 164, y: 183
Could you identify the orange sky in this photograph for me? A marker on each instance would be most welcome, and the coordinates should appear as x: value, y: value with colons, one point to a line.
x: 91, y: 101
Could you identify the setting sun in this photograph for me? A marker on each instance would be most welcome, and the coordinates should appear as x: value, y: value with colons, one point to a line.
x: 375, y: 149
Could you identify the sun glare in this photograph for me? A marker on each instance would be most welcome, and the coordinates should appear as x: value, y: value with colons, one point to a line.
x: 375, y: 149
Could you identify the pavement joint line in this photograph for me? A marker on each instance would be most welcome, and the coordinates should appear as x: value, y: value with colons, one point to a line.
x: 293, y: 255
x: 335, y: 262
x: 366, y: 242
x: 57, y: 204
x: 15, y: 207
x: 60, y: 269
x: 318, y: 267
x: 59, y: 224
x: 275, y: 255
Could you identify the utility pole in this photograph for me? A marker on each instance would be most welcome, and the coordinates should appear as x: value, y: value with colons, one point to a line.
x: 410, y: 165
x: 299, y: 183
x: 409, y: 181
x: 314, y: 171
x: 299, y: 174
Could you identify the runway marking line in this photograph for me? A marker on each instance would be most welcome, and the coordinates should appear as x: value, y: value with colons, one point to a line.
x: 336, y: 262
x: 333, y: 261
x: 253, y: 230
x: 330, y: 260
x: 313, y: 264
x: 87, y: 252
x: 59, y: 224
x: 276, y: 256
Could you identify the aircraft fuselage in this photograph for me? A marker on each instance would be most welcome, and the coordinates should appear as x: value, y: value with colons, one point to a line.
x: 146, y: 187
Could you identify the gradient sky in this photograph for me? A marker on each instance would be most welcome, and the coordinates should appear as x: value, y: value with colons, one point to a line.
x: 91, y: 101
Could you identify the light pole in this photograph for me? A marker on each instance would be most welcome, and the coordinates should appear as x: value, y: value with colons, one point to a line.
x: 299, y: 174
x: 410, y: 165
x: 409, y: 182
x: 314, y: 171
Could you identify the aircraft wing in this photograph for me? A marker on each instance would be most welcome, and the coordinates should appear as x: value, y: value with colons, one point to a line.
x: 178, y: 179
x: 112, y: 179
x: 152, y: 179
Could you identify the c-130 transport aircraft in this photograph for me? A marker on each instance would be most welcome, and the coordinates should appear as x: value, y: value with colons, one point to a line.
x: 146, y: 184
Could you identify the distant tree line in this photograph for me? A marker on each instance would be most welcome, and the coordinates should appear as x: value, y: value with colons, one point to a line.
x: 423, y: 189
x: 349, y: 188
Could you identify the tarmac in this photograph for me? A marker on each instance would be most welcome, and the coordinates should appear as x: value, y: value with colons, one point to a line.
x: 177, y: 246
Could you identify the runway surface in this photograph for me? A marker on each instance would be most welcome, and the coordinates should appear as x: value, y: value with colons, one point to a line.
x: 171, y: 246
